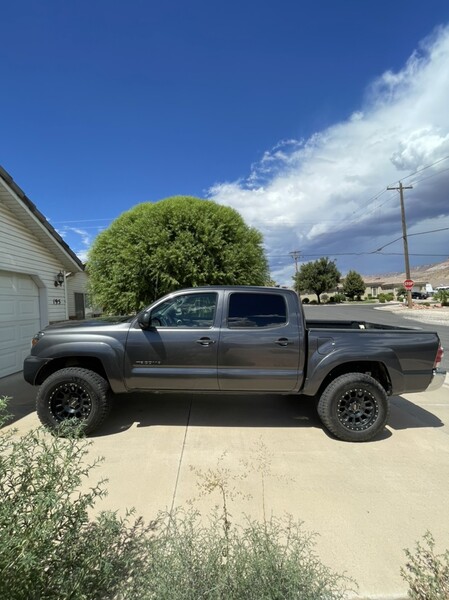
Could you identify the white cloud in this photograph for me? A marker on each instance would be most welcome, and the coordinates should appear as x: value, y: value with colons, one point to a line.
x: 78, y: 239
x: 321, y: 195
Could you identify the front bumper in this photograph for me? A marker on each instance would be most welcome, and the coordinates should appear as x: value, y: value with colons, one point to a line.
x: 31, y: 367
x: 439, y: 375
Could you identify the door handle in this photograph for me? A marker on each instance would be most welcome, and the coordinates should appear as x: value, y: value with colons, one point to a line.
x: 283, y: 342
x: 205, y: 341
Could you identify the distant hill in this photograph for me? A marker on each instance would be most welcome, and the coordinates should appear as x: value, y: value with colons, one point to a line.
x: 436, y: 274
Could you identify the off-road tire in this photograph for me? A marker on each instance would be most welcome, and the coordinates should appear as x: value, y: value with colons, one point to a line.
x: 354, y: 407
x: 73, y: 393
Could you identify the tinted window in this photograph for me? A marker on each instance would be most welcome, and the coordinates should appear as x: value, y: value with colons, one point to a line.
x: 256, y: 310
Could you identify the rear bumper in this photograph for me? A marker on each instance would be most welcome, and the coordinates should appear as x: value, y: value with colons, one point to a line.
x: 437, y: 380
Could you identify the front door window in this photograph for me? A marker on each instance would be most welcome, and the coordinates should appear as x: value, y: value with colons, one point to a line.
x: 186, y: 311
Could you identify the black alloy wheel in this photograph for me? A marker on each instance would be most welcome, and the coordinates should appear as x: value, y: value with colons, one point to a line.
x: 70, y: 400
x: 357, y: 409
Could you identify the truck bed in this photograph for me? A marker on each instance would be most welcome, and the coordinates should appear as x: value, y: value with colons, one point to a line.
x: 317, y: 324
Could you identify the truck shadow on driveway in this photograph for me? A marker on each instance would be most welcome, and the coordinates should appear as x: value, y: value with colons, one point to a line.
x: 208, y: 410
x: 408, y: 415
x: 238, y: 410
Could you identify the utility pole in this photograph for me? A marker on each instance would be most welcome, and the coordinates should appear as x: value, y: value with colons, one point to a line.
x: 295, y: 255
x: 401, y: 189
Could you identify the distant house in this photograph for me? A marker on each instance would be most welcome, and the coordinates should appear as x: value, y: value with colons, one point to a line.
x: 41, y: 278
x: 377, y: 286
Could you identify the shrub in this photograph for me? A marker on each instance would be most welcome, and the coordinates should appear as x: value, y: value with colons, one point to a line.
x: 339, y: 297
x: 305, y: 300
x: 258, y: 561
x: 401, y: 293
x: 388, y: 297
x: 442, y: 296
x: 426, y: 572
x: 49, y: 549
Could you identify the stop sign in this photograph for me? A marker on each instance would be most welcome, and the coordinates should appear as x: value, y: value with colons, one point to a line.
x: 408, y: 284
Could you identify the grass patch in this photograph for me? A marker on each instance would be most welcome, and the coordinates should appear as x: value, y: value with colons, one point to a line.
x: 426, y: 572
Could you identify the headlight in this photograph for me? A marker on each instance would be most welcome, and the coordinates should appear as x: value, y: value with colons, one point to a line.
x: 36, y: 338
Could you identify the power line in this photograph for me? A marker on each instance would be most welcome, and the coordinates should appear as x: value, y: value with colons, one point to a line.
x: 409, y: 235
x: 427, y: 167
x: 430, y: 176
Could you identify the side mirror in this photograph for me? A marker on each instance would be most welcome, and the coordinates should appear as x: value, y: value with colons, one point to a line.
x: 144, y: 320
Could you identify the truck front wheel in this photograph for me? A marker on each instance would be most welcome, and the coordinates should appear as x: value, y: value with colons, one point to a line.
x: 73, y: 393
x: 354, y: 407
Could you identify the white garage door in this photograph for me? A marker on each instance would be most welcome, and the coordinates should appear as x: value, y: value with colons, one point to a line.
x: 19, y: 319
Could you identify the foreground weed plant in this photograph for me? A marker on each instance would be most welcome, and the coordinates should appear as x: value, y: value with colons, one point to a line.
x: 49, y: 548
x: 426, y: 572
x: 258, y: 561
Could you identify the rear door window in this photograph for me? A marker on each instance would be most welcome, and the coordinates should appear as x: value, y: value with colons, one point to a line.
x: 256, y: 310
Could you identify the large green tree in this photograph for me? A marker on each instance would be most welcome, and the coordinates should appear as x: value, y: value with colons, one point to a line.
x: 318, y: 277
x: 155, y: 248
x: 353, y: 285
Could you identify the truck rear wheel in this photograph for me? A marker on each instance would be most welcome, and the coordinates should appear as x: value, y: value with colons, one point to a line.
x: 354, y: 407
x: 73, y: 393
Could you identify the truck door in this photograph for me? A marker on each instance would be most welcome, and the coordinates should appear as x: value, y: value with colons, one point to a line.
x: 179, y: 351
x: 259, y: 343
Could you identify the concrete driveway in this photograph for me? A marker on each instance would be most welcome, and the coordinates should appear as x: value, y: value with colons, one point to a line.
x: 367, y: 501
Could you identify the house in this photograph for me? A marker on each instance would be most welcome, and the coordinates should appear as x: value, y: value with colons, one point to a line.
x: 41, y: 278
x: 377, y: 286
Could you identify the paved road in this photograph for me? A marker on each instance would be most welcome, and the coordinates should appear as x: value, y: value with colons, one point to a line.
x: 359, y: 312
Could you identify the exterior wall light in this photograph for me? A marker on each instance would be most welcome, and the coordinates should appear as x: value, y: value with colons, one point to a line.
x: 59, y: 279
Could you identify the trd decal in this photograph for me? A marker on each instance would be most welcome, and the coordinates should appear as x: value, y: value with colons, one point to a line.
x: 147, y: 362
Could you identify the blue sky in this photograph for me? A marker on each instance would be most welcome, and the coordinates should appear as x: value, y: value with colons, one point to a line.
x: 298, y: 114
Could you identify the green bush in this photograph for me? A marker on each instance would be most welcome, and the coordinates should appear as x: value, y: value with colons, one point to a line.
x: 49, y: 549
x: 258, y: 561
x: 339, y: 297
x: 388, y: 297
x: 426, y: 572
x: 442, y: 296
x: 305, y: 300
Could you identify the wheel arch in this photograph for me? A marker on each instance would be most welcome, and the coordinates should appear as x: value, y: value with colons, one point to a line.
x: 92, y: 363
x: 376, y: 370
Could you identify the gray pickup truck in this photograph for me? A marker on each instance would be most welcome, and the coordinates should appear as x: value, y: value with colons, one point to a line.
x: 232, y: 340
